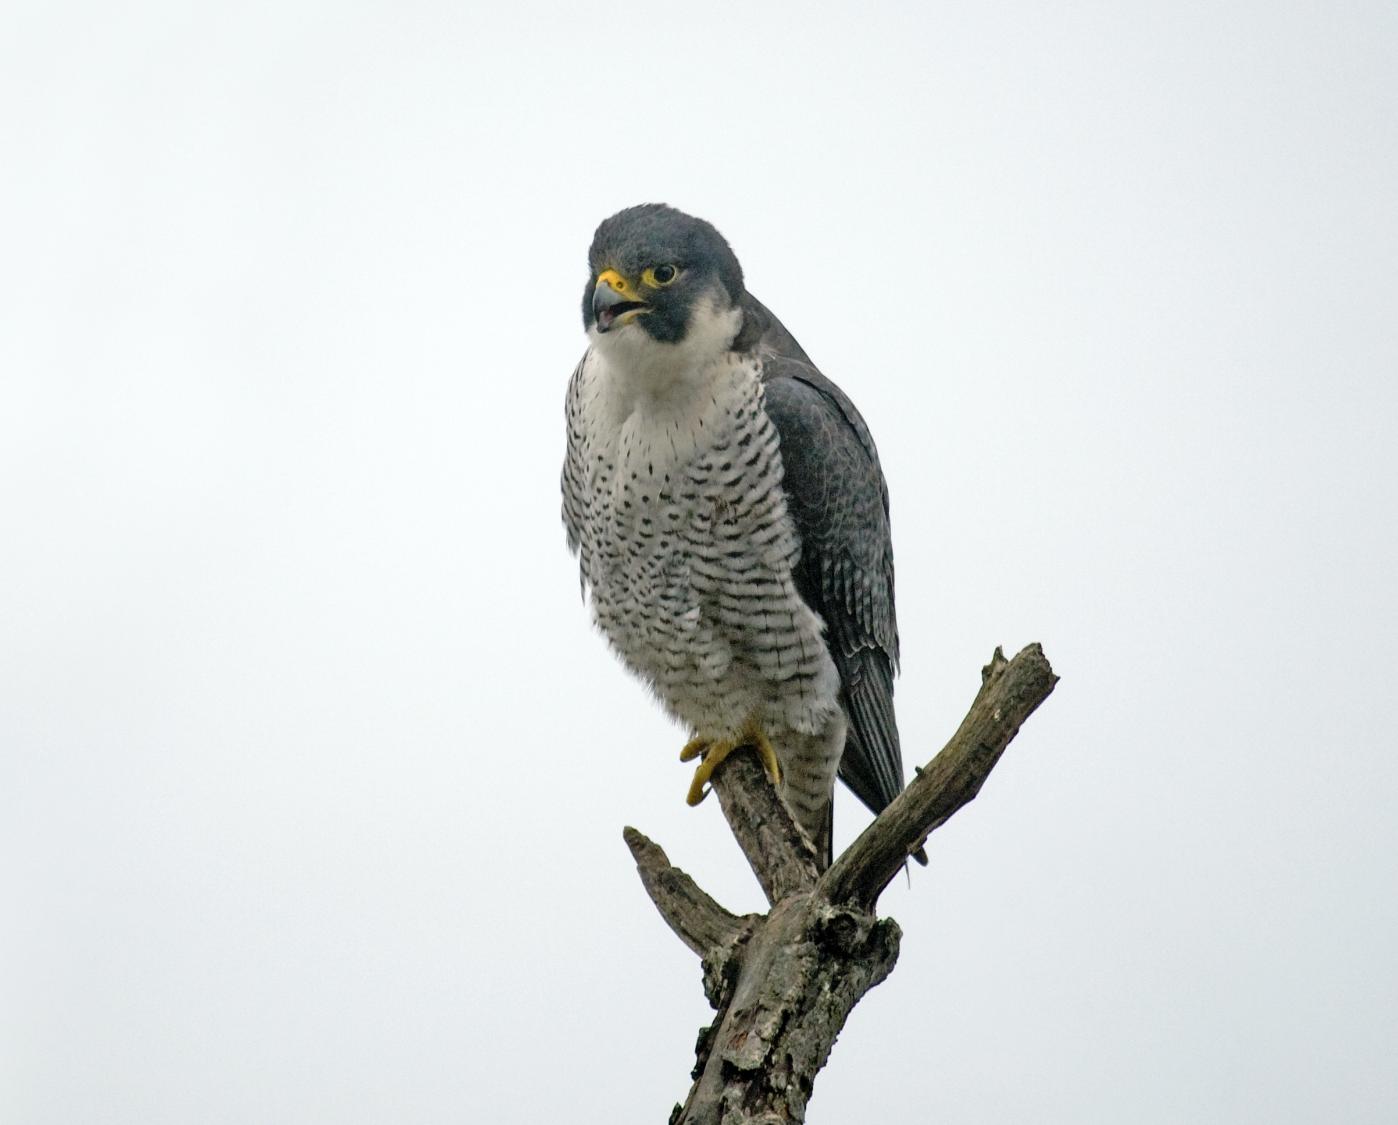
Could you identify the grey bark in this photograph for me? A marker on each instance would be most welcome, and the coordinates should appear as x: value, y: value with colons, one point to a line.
x: 784, y: 983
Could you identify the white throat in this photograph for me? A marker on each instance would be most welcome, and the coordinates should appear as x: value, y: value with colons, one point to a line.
x: 642, y: 367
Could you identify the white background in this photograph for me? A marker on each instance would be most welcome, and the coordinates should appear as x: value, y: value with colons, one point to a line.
x: 312, y: 770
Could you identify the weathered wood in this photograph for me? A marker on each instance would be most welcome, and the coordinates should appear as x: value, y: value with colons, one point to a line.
x: 801, y: 974
x: 784, y: 984
x: 780, y: 855
x: 699, y: 921
x: 1010, y: 692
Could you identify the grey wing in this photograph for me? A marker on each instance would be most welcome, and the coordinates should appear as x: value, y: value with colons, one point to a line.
x: 839, y: 502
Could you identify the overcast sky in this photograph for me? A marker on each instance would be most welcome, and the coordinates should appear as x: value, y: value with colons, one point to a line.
x: 312, y: 769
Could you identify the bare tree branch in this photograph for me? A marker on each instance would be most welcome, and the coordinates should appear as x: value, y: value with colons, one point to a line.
x: 1010, y: 692
x: 780, y: 855
x: 784, y: 984
x: 699, y: 921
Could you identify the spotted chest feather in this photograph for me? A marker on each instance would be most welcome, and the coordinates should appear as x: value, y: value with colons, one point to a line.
x: 674, y: 502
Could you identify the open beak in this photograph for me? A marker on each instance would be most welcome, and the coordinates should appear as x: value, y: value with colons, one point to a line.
x: 611, y: 301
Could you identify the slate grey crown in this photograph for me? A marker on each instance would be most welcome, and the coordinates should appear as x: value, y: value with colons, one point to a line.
x: 652, y: 236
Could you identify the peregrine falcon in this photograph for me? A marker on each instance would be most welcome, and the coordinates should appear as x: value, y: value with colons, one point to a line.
x: 730, y: 517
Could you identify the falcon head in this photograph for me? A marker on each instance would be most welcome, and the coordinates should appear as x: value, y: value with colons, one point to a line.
x: 660, y: 273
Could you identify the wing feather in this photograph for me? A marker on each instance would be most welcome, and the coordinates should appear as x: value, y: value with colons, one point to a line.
x: 839, y: 502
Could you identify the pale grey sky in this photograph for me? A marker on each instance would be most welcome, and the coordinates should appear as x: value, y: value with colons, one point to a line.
x: 312, y: 771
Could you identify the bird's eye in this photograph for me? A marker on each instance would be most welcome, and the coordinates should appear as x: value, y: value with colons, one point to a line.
x: 660, y: 275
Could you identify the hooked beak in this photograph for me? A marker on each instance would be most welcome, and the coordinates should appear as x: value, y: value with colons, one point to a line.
x: 611, y: 301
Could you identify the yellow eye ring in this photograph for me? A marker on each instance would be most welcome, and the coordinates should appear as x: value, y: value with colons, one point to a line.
x: 657, y: 277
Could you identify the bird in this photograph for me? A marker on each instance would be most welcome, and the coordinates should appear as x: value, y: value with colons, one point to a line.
x: 730, y: 517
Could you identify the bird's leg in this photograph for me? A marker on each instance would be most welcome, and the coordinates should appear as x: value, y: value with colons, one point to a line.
x: 716, y: 750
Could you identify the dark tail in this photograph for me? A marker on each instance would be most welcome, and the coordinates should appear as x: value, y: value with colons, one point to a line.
x: 825, y: 845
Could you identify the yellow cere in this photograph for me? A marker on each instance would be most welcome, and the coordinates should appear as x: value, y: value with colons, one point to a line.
x: 614, y: 279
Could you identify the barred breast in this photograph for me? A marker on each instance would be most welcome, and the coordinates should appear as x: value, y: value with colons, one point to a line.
x: 674, y: 503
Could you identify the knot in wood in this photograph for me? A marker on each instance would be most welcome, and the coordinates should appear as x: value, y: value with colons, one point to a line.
x: 703, y: 1045
x: 720, y: 968
x: 842, y: 930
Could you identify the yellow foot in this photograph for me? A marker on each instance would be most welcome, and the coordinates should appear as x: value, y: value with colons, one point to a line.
x: 715, y: 752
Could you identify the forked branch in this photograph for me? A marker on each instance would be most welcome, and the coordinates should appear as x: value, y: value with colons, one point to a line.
x: 784, y: 983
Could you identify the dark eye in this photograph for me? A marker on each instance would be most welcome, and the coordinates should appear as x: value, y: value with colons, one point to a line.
x: 663, y: 275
